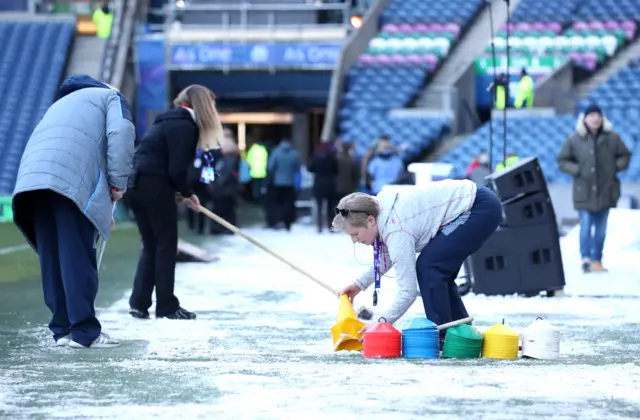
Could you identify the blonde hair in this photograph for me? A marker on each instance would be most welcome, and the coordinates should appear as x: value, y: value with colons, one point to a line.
x: 203, y: 102
x: 364, y: 204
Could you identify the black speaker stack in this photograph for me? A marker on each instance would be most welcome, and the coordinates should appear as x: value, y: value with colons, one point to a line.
x: 523, y: 255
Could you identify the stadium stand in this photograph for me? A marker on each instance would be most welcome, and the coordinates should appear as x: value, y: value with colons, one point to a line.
x: 582, y: 31
x: 414, y: 39
x: 589, y: 32
x: 33, y: 56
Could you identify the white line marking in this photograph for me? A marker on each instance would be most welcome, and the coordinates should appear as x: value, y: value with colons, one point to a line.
x: 15, y: 248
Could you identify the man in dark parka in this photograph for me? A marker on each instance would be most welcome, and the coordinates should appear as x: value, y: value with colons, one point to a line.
x: 593, y: 155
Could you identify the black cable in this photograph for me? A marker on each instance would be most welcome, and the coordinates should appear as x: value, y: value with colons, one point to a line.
x: 504, y: 145
x: 493, y: 92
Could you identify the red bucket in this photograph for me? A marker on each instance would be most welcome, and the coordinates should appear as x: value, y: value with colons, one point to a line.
x: 382, y: 340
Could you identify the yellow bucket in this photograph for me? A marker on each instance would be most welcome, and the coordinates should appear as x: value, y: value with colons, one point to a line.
x: 500, y: 342
x: 345, y: 331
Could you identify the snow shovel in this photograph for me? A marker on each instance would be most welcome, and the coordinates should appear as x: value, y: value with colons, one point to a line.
x: 343, y: 331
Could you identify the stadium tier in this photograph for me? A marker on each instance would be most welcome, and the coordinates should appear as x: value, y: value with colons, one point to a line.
x: 32, y: 59
x: 415, y: 37
x: 588, y: 32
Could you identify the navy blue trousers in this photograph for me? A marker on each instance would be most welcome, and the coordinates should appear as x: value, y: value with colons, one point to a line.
x: 440, y: 261
x: 65, y: 246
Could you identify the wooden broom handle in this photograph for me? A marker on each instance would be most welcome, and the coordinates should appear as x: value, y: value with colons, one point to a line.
x: 454, y: 323
x: 211, y: 215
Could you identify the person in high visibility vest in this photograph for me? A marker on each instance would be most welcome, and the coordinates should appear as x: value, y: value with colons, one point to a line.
x: 499, y: 89
x: 257, y: 158
x: 524, y: 94
x: 511, y: 159
x: 103, y: 18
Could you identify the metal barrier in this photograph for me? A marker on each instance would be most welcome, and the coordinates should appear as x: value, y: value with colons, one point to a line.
x: 258, y: 15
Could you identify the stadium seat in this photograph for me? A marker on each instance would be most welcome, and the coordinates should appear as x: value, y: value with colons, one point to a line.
x: 526, y: 136
x: 32, y: 60
x: 414, y: 39
x: 587, y: 32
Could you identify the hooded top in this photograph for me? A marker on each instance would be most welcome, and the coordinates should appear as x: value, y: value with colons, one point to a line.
x: 408, y: 220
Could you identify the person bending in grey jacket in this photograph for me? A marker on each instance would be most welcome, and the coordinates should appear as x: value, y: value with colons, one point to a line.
x: 75, y: 166
x: 444, y: 221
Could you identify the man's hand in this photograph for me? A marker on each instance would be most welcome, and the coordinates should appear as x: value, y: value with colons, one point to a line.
x: 193, y: 202
x: 116, y: 194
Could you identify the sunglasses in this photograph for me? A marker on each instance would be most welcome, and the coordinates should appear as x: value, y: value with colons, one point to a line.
x: 345, y: 212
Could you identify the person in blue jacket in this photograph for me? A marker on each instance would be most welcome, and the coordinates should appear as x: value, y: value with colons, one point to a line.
x: 282, y: 168
x: 75, y: 166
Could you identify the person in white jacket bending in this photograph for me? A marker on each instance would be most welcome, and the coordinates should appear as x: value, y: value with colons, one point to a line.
x: 445, y: 221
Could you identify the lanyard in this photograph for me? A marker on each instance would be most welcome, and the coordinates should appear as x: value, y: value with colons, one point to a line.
x: 376, y: 269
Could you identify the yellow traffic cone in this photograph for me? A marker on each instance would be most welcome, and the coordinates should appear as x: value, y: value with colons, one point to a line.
x: 345, y: 331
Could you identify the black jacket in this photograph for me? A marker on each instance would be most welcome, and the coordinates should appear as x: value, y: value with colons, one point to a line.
x: 167, y: 150
x: 227, y: 183
x: 325, y: 168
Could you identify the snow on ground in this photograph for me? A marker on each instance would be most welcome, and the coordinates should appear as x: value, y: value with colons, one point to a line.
x: 261, y: 347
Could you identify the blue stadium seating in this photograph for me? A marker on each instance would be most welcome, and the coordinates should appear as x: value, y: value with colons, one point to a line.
x: 534, y: 136
x: 415, y: 37
x: 32, y: 60
x: 413, y: 134
x: 609, y: 10
x: 434, y: 11
x: 545, y: 11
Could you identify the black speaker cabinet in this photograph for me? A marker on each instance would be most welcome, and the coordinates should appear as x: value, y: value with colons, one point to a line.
x: 522, y: 178
x: 534, y: 209
x: 495, y: 266
x: 523, y: 260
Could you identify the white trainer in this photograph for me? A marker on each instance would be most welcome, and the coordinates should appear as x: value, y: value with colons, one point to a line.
x: 63, y: 341
x: 102, y: 342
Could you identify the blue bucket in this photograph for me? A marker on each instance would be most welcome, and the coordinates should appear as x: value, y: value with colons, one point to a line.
x: 421, y: 340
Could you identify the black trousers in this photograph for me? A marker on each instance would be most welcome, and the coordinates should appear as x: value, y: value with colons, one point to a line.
x: 155, y: 209
x: 329, y: 202
x: 283, y: 200
x: 202, y: 191
x: 225, y: 207
x: 65, y: 241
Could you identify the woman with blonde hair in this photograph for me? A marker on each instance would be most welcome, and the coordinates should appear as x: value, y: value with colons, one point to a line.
x: 443, y: 221
x: 178, y: 151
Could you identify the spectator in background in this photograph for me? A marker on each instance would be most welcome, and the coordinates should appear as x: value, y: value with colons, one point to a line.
x: 385, y: 167
x: 348, y: 170
x: 512, y: 159
x: 282, y: 168
x: 482, y: 170
x: 257, y: 157
x: 75, y: 166
x: 103, y: 18
x: 324, y: 164
x: 371, y: 152
x: 226, y: 186
x: 524, y: 94
x: 498, y: 89
x: 594, y: 155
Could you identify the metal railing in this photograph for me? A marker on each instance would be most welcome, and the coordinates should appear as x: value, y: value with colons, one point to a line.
x: 245, y: 15
x: 111, y: 45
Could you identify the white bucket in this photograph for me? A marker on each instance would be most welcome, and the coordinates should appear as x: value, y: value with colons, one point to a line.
x: 541, y: 340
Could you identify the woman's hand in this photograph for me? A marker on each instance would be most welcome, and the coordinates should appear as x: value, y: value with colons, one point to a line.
x: 179, y: 198
x: 351, y: 291
x: 365, y: 328
x: 193, y: 202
